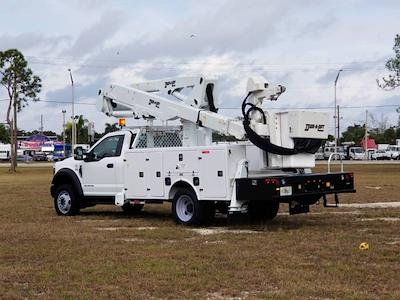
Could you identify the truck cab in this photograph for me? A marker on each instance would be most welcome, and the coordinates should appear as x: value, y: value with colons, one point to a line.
x: 98, y: 172
x: 355, y: 153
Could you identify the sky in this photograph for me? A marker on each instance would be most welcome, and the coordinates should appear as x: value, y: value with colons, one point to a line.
x: 299, y: 44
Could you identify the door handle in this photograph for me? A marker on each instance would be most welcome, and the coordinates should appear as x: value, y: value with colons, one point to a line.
x: 110, y: 165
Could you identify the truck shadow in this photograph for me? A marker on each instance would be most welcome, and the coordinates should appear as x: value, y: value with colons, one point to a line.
x: 281, y: 222
x: 145, y: 215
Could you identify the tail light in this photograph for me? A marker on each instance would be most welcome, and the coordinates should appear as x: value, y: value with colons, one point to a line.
x: 272, y: 181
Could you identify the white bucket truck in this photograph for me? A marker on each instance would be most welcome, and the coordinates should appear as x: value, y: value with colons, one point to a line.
x: 270, y: 165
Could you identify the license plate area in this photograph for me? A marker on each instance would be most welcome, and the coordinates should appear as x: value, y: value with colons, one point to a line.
x: 285, y: 191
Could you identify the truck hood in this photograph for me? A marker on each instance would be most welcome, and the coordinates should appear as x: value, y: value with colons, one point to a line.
x: 69, y: 163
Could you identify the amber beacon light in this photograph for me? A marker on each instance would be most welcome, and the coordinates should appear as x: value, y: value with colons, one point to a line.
x: 122, y: 122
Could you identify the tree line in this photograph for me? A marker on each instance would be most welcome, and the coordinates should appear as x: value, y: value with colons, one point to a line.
x: 81, y: 128
x: 355, y: 133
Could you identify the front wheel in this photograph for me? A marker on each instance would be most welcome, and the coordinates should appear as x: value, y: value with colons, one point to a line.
x: 187, y: 210
x: 66, y: 201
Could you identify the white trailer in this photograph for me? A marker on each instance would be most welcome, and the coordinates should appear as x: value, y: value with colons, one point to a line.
x: 150, y: 164
x: 5, y: 151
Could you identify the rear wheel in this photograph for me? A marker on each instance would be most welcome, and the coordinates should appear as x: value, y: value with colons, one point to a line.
x: 263, y: 210
x: 66, y: 201
x: 188, y: 210
x: 132, y: 208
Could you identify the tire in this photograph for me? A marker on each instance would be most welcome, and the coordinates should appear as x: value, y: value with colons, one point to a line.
x: 263, y: 210
x: 66, y: 202
x: 188, y: 210
x: 132, y: 209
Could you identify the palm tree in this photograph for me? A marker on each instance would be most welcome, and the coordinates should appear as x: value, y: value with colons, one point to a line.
x: 81, y: 129
x: 68, y: 132
x: 111, y: 127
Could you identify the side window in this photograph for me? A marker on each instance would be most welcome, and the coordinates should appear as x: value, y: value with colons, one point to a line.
x: 109, y: 147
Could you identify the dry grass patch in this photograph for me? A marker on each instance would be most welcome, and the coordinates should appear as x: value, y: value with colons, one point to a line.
x: 312, y: 256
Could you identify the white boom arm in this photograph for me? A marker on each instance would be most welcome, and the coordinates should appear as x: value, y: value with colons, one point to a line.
x: 197, y: 108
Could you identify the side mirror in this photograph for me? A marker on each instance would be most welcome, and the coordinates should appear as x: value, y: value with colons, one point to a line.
x: 89, y: 156
x: 78, y: 153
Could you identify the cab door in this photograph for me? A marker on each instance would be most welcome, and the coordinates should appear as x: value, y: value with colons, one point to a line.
x: 99, y: 167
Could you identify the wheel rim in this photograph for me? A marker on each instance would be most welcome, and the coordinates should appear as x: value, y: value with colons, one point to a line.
x: 64, y: 202
x: 185, y: 208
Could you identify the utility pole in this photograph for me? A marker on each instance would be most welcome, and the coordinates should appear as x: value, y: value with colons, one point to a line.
x: 336, y: 117
x: 338, y: 124
x: 73, y: 127
x: 91, y: 132
x: 63, y: 112
x: 366, y: 134
x: 41, y: 124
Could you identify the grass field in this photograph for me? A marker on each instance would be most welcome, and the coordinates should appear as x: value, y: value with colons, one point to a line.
x: 103, y: 253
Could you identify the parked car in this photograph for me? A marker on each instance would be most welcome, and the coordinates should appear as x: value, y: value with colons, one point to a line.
x: 328, y: 150
x: 319, y: 155
x: 393, y: 152
x: 379, y: 155
x: 39, y: 156
x: 24, y: 158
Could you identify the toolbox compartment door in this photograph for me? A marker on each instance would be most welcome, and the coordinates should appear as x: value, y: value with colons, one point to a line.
x: 213, y: 173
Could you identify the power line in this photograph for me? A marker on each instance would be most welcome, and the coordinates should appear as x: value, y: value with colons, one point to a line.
x: 290, y: 89
x: 69, y: 58
x: 58, y: 102
x: 166, y: 68
x: 237, y: 108
x: 321, y: 107
x: 58, y: 61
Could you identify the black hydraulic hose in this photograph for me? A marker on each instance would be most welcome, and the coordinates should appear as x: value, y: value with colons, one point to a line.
x: 264, y: 143
x: 210, y: 97
x: 256, y: 139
